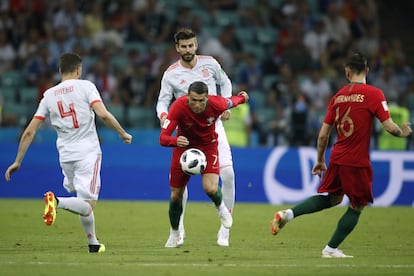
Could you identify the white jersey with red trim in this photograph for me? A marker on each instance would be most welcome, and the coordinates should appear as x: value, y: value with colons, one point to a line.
x: 69, y: 106
x: 175, y: 83
x: 177, y: 79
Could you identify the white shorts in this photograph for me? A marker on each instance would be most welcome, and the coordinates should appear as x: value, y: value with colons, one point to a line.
x: 225, y: 157
x: 83, y: 176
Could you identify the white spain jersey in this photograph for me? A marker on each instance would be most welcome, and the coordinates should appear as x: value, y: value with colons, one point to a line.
x: 69, y: 106
x: 177, y: 79
x: 175, y: 83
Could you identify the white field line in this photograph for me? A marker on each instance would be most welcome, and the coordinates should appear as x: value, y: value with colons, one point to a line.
x: 264, y: 265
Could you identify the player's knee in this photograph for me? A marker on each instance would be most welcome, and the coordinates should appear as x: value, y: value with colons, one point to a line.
x: 227, y: 174
x: 177, y: 194
x: 335, y: 199
x: 357, y: 207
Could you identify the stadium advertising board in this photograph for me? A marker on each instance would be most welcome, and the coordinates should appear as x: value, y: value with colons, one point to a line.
x: 278, y: 175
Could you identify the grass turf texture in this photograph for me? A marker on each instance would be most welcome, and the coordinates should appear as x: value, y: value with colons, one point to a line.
x: 135, y: 233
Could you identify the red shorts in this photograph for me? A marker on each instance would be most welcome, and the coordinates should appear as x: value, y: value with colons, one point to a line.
x: 180, y: 179
x: 355, y: 182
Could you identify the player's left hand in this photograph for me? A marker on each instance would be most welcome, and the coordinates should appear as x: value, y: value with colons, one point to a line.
x: 406, y: 129
x: 245, y: 95
x: 225, y: 115
x: 319, y: 169
x: 11, y: 169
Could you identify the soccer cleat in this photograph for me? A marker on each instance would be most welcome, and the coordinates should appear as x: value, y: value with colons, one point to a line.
x: 172, y: 241
x: 337, y: 253
x: 97, y: 248
x: 223, y: 236
x: 181, y: 237
x: 225, y: 216
x: 49, y: 215
x: 278, y: 222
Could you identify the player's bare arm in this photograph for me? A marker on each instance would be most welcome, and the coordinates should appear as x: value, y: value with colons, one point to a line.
x: 25, y: 141
x: 111, y: 121
x: 395, y: 130
x: 320, y: 167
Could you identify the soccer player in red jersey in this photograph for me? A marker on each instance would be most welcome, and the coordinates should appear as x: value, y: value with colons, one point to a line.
x: 193, y: 117
x: 351, y: 112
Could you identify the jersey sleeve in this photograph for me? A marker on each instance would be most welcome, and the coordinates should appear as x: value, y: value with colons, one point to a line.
x: 381, y: 107
x: 223, y: 104
x: 169, y: 126
x: 222, y: 80
x: 42, y: 111
x: 92, y: 93
x: 165, y: 97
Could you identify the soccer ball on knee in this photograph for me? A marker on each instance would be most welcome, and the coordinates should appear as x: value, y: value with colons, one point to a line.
x: 193, y: 161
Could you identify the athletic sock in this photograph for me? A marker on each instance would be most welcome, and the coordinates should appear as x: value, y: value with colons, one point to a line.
x: 75, y: 205
x: 311, y: 205
x: 289, y: 214
x: 345, y: 226
x: 175, y: 210
x: 184, y: 203
x: 228, y: 186
x: 88, y: 224
x: 217, y: 197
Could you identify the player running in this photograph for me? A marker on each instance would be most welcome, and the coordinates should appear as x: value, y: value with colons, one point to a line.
x: 71, y: 106
x: 193, y: 118
x: 351, y: 112
x: 174, y: 84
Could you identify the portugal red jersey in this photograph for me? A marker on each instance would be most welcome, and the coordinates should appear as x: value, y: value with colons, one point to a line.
x: 352, y: 111
x: 198, y: 128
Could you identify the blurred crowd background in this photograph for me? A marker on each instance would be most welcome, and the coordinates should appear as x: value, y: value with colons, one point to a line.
x: 288, y: 54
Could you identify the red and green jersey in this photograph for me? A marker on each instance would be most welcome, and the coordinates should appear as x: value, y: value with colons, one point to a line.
x: 352, y: 111
x: 198, y: 128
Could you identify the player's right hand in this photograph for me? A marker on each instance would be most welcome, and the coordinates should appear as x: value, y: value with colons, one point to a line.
x: 182, y: 141
x: 11, y: 169
x: 126, y: 137
x: 162, y: 119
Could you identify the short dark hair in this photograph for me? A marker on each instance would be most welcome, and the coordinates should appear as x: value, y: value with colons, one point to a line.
x: 357, y: 62
x: 69, y: 62
x: 183, y: 34
x: 198, y: 87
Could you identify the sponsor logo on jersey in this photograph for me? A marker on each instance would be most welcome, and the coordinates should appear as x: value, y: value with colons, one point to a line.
x: 205, y: 73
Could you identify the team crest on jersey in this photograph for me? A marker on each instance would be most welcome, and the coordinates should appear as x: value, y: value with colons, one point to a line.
x: 210, y: 121
x: 205, y: 73
x: 384, y: 105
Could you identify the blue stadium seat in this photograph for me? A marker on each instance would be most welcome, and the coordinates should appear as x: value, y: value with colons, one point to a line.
x: 12, y: 79
x: 245, y: 34
x: 141, y: 47
x: 9, y: 94
x: 28, y: 94
x: 258, y: 98
x: 224, y: 18
x: 141, y: 117
x: 119, y: 112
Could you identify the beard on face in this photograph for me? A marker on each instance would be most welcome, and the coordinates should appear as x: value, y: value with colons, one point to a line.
x: 187, y: 57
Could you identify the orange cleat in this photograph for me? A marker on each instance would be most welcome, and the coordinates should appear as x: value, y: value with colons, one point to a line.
x: 49, y: 215
x: 278, y: 222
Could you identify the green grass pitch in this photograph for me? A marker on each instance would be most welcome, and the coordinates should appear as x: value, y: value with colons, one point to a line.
x: 134, y: 233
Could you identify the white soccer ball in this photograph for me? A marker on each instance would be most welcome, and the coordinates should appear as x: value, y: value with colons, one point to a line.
x: 193, y: 161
